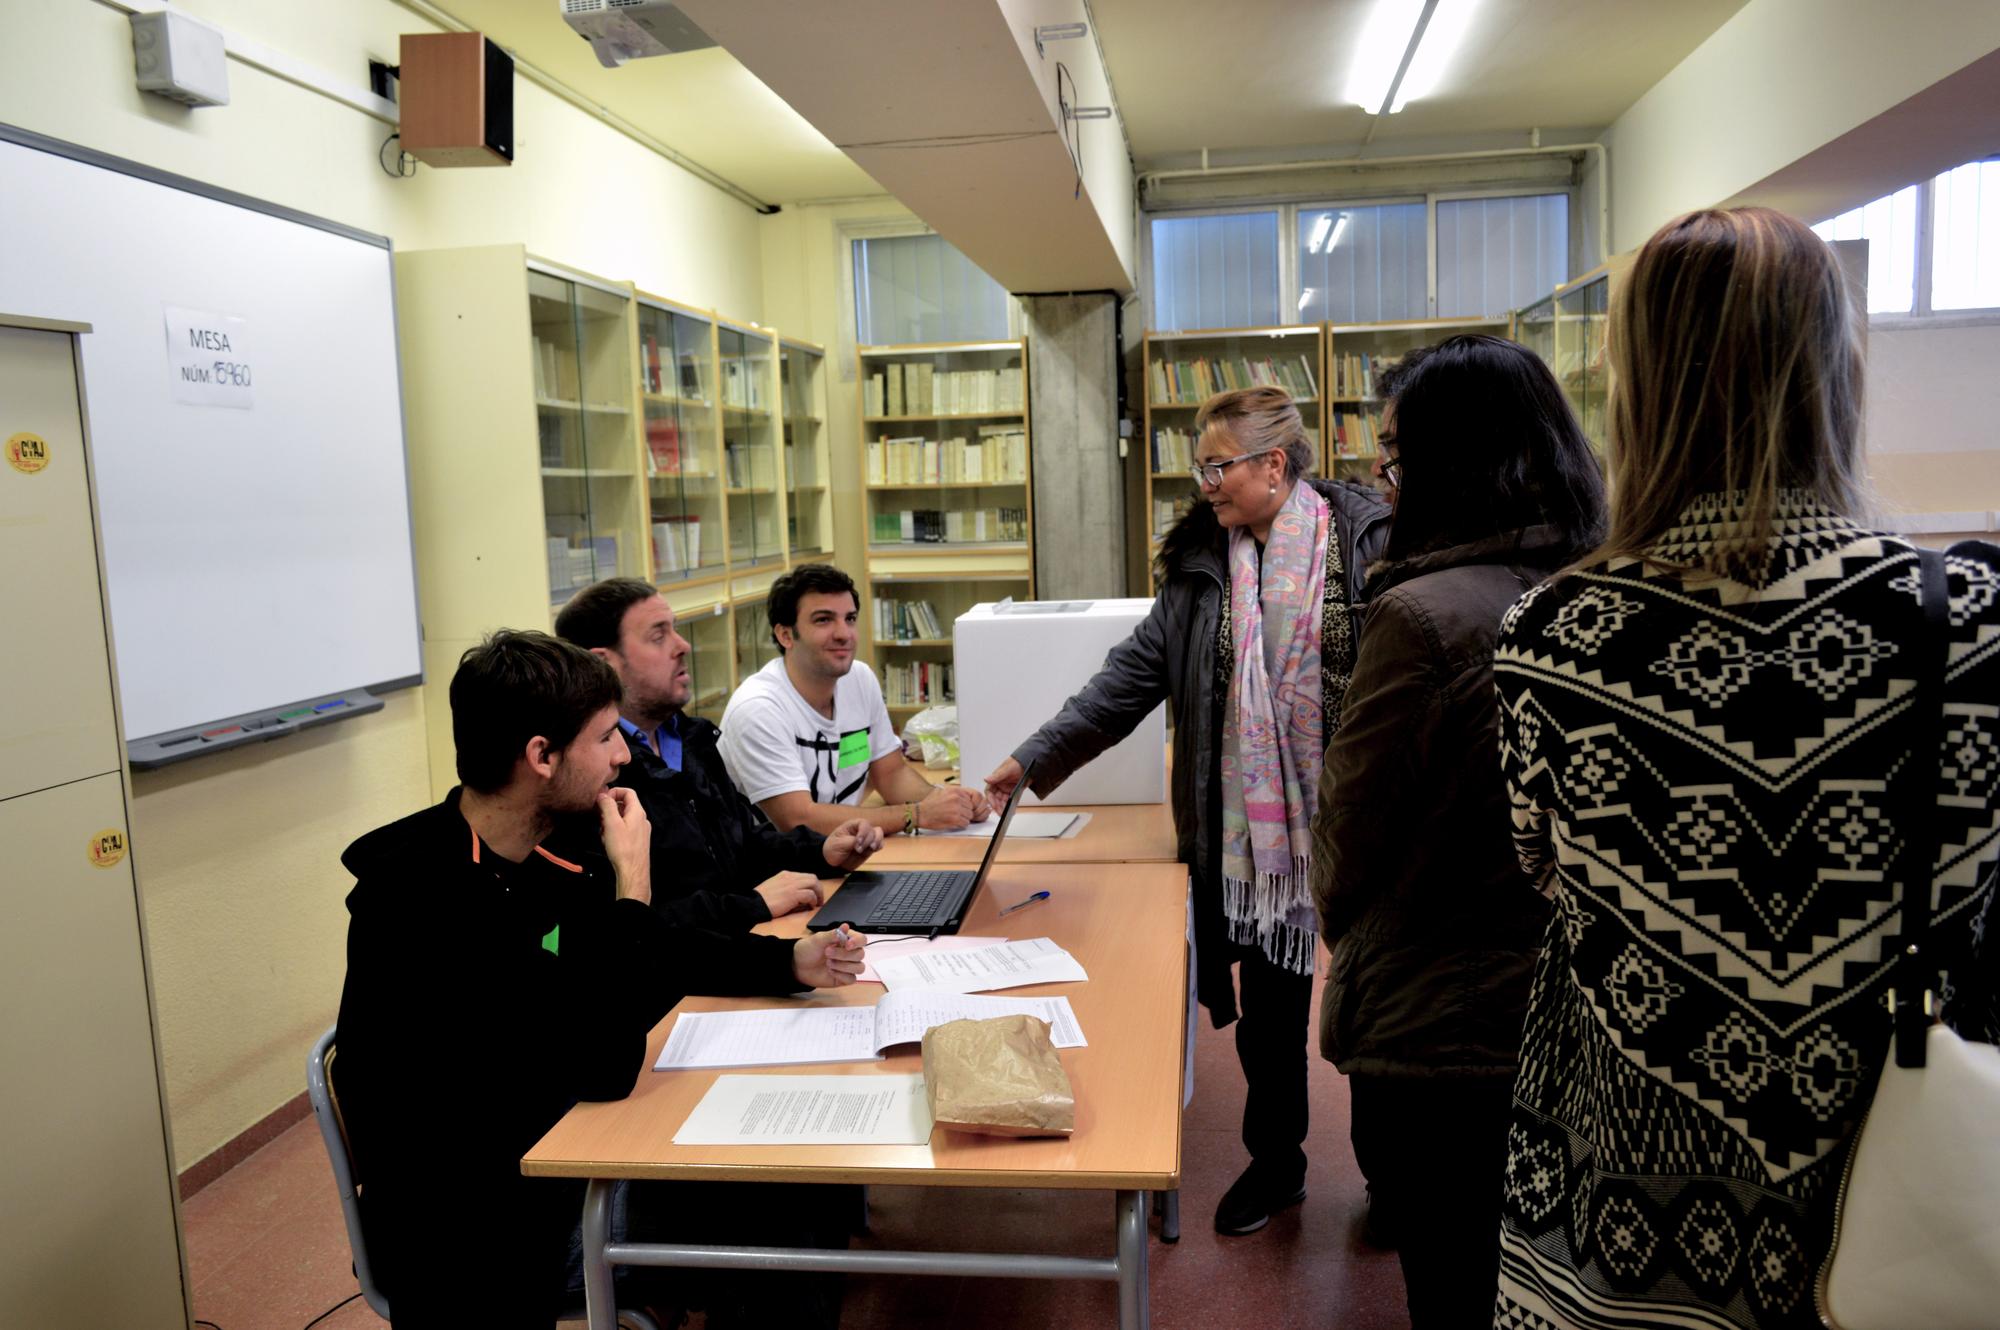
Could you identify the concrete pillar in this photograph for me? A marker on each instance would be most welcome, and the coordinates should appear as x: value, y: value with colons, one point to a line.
x: 1080, y: 533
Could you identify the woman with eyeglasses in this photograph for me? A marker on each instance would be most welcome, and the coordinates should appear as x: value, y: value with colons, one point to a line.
x: 1251, y: 640
x: 1433, y: 926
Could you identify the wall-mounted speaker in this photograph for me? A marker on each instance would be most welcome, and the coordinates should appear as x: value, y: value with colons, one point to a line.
x: 457, y: 91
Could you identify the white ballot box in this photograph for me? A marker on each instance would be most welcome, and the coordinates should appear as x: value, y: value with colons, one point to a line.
x: 1017, y: 662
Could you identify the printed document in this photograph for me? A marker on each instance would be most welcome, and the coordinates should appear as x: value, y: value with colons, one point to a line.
x: 980, y: 969
x: 1025, y: 826
x: 810, y: 1110
x: 796, y: 1036
x: 904, y: 946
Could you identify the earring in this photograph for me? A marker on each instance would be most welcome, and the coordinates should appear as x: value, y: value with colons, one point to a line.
x: 1274, y: 489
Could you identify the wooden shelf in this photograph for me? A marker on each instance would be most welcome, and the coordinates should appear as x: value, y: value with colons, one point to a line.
x: 951, y: 547
x: 669, y: 399
x: 948, y: 485
x: 595, y: 408
x: 913, y: 642
x: 1015, y: 414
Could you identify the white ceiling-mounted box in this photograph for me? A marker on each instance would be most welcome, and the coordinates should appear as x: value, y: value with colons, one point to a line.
x: 1017, y: 662
x: 180, y: 57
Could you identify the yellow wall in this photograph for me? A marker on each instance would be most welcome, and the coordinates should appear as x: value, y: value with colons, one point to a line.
x: 237, y: 854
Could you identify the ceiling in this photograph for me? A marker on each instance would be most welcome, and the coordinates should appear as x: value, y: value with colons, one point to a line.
x: 1273, y: 73
x: 1267, y: 79
x: 702, y: 104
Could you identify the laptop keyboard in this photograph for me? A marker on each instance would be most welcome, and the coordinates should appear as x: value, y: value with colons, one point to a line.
x: 916, y: 896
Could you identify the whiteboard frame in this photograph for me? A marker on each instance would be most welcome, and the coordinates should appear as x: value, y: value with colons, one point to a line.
x: 27, y: 138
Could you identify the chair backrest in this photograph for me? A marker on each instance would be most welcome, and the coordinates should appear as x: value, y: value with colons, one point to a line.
x: 333, y: 1131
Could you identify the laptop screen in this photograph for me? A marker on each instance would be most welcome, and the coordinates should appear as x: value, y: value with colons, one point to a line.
x: 1000, y: 828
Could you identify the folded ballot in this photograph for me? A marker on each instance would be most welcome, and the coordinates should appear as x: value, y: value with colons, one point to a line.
x: 803, y: 1035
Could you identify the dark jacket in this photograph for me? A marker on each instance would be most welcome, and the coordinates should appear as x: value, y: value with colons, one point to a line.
x: 1171, y: 656
x: 1433, y: 926
x: 711, y: 846
x: 482, y: 1000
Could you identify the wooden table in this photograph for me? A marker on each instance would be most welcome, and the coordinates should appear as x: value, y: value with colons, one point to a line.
x: 1126, y: 925
x: 1115, y: 834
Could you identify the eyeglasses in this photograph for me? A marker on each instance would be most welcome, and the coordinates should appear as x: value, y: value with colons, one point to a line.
x: 1210, y: 473
x: 1392, y: 467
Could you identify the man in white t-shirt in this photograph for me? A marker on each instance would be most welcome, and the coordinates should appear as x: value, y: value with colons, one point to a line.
x: 806, y: 737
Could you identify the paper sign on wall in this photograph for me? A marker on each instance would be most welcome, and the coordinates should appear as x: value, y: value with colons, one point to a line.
x: 208, y: 358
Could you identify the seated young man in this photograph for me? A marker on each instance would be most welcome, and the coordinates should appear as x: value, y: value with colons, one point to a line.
x: 808, y: 735
x: 493, y: 981
x: 730, y: 868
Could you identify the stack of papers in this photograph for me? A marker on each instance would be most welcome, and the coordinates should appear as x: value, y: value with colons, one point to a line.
x: 797, y: 1036
x: 810, y: 1110
x: 979, y: 969
x: 1025, y: 826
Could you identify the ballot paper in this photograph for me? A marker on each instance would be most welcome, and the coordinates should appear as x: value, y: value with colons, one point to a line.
x: 804, y: 1035
x: 810, y: 1110
x: 1025, y: 826
x: 981, y: 969
x: 882, y: 950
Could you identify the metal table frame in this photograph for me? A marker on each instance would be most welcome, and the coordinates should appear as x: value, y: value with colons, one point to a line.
x: 1127, y: 1267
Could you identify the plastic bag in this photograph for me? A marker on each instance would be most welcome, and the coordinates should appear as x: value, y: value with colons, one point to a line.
x: 935, y: 731
x: 998, y: 1077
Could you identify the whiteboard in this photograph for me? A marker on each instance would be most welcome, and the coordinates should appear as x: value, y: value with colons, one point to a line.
x: 254, y: 556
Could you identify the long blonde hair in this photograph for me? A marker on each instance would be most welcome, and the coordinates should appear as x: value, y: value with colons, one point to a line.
x: 1737, y: 370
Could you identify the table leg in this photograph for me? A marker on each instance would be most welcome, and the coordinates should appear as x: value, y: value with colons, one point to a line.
x: 599, y: 1298
x: 1170, y: 1215
x: 1133, y: 1312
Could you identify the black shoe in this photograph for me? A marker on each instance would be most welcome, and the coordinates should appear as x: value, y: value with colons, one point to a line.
x: 1251, y: 1201
x: 1378, y: 1228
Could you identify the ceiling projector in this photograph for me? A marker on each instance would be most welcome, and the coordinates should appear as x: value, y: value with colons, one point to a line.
x: 621, y: 30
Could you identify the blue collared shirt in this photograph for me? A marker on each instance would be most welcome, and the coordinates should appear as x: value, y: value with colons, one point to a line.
x: 666, y: 741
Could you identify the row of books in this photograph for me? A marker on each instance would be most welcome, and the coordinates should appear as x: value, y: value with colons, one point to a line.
x: 1357, y: 433
x: 920, y: 682
x: 1166, y: 512
x: 745, y: 384
x: 666, y: 376
x: 901, y: 620
x: 577, y: 561
x: 751, y: 466
x: 1354, y: 372
x: 998, y: 456
x: 947, y: 526
x: 1173, y: 449
x: 555, y: 371
x: 1189, y: 382
x: 921, y: 389
x: 668, y: 453
x: 677, y: 543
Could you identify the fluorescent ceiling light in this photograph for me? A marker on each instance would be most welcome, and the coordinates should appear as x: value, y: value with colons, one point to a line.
x: 1387, y: 38
x: 1305, y: 298
x: 1320, y: 228
x: 1441, y: 40
x: 1339, y: 230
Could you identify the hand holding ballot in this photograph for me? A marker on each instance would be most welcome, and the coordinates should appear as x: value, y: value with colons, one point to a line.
x: 828, y: 960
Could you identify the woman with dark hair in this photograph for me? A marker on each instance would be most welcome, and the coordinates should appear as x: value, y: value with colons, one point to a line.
x: 1433, y: 926
x: 1707, y: 736
x: 1250, y: 641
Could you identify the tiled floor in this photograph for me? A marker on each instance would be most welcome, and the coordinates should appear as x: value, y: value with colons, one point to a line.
x: 268, y: 1251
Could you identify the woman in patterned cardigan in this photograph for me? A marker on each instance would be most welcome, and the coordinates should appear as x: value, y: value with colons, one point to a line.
x: 1704, y: 734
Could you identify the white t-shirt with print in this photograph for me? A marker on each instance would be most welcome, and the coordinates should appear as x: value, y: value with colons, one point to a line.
x: 775, y: 742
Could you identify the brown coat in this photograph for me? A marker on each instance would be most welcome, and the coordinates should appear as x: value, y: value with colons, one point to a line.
x: 1433, y: 927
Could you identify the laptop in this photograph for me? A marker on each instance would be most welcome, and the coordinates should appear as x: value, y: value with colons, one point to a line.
x: 915, y: 900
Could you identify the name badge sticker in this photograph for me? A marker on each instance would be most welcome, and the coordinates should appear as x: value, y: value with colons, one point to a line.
x: 27, y: 453
x: 853, y: 749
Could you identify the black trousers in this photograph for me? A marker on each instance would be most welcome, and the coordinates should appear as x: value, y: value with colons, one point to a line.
x: 1434, y: 1151
x: 1276, y: 1014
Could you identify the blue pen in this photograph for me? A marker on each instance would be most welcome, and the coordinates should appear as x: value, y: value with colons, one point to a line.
x: 1024, y: 904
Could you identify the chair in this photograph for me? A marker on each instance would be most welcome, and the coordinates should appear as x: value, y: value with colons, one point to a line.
x: 333, y: 1131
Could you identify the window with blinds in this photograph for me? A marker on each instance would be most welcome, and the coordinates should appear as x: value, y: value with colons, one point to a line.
x: 1362, y: 264
x: 921, y: 289
x: 1496, y: 255
x: 1219, y: 271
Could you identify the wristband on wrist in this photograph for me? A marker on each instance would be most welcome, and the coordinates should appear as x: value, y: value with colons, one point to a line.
x: 910, y: 827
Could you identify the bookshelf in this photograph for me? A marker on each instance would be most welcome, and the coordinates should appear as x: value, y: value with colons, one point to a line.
x: 583, y: 417
x: 947, y: 472
x: 679, y: 397
x: 1582, y: 325
x: 1185, y: 369
x: 752, y: 446
x: 1357, y: 354
x: 1535, y: 327
x: 808, y: 465
x: 527, y: 479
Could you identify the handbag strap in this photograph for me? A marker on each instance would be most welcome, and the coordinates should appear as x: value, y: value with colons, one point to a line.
x: 1915, y: 978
